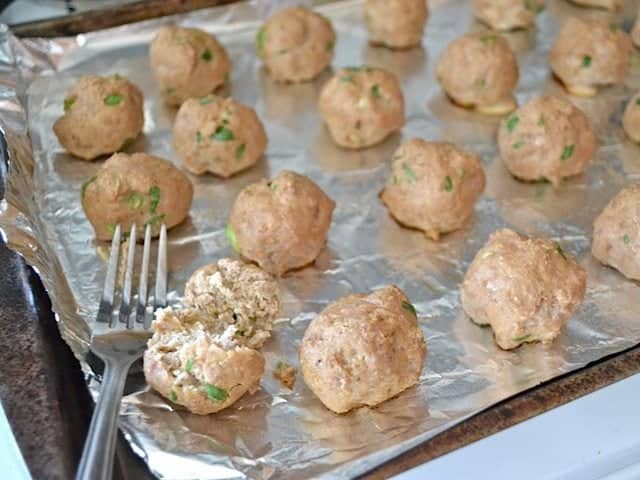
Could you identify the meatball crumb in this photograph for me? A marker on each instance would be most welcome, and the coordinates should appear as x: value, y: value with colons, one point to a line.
x: 285, y: 374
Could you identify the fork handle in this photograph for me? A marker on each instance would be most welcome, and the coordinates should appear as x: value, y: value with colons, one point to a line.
x: 99, y: 448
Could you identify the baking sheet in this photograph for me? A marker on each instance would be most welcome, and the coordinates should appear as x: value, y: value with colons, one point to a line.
x: 281, y: 434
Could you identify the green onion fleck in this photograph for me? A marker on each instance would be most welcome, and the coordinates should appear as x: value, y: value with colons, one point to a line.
x: 561, y: 252
x: 215, y: 393
x: 408, y: 306
x: 638, y: 101
x: 541, y: 122
x: 86, y: 184
x: 240, y: 151
x: 222, y: 134
x: 111, y: 228
x: 394, y: 180
x: 347, y: 79
x: 626, y: 239
x: 462, y: 173
x: 518, y: 145
x: 188, y: 365
x: 206, y: 100
x: 113, y: 100
x: 586, y: 61
x: 567, y: 152
x: 170, y: 90
x: 198, y: 137
x: 329, y: 46
x: 68, y: 103
x: 207, y: 56
x: 231, y: 236
x: 523, y: 338
x: 410, y: 174
x: 260, y: 38
x: 488, y: 38
x: 512, y: 123
x: 153, y: 221
x: 448, y: 184
x: 154, y: 197
x: 614, y: 27
x: 375, y: 91
x: 173, y: 396
x: 135, y: 200
x: 272, y: 185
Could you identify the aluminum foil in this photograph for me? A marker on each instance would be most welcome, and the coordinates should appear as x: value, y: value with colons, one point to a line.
x: 288, y: 434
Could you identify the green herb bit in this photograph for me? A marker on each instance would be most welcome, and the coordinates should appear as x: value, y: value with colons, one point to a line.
x: 394, y: 180
x: 206, y: 100
x: 448, y: 184
x: 260, y: 39
x: 480, y: 83
x: 111, y: 228
x: 272, y: 185
x: 512, y: 123
x: 135, y: 200
x: 207, y: 56
x: 282, y: 52
x: 347, y: 79
x: 586, y: 61
x: 154, y: 197
x: 240, y: 151
x: 83, y: 189
x: 215, y: 393
x: 231, y: 236
x: 68, y: 103
x: 408, y: 306
x: 222, y: 134
x: 523, y: 338
x: 462, y: 173
x: 173, y: 396
x: 614, y: 27
x: 188, y: 365
x: 410, y: 174
x: 153, y: 221
x: 626, y: 239
x: 488, y: 38
x: 170, y: 90
x: 518, y: 145
x: 113, y: 100
x: 198, y: 137
x: 375, y: 91
x: 329, y: 46
x: 567, y: 152
x: 541, y: 122
x: 561, y: 252
x: 638, y: 101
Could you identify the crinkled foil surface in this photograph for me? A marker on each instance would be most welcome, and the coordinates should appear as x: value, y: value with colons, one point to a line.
x: 289, y: 434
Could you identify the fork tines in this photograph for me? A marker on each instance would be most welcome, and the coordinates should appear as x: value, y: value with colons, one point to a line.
x: 107, y: 303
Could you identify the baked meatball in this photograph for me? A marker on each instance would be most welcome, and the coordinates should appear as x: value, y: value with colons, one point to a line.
x: 606, y: 4
x: 236, y: 293
x: 136, y: 189
x: 362, y: 106
x: 102, y: 115
x: 193, y: 367
x: 588, y: 54
x: 396, y: 23
x: 631, y: 118
x: 635, y: 32
x: 362, y: 350
x: 433, y: 186
x: 480, y: 71
x: 616, y: 233
x: 218, y: 135
x: 296, y: 44
x: 547, y: 138
x: 507, y: 14
x: 186, y: 63
x: 525, y: 288
x: 282, y: 223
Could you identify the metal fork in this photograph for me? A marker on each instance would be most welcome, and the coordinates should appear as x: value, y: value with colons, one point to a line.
x: 119, y: 344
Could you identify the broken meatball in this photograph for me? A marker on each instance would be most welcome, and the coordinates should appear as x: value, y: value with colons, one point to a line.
x: 479, y: 71
x: 548, y: 138
x: 362, y: 350
x: 218, y: 135
x: 102, y: 115
x: 296, y: 44
x: 282, y: 223
x: 186, y: 63
x: 616, y: 233
x: 192, y: 366
x: 239, y: 294
x: 631, y: 118
x: 362, y: 106
x: 507, y: 14
x: 396, y: 23
x: 433, y: 186
x: 588, y: 54
x: 525, y: 288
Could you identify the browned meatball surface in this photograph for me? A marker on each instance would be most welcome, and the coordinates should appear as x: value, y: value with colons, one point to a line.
x: 361, y: 106
x: 525, y: 288
x: 136, y: 189
x: 433, y: 186
x: 548, y: 138
x: 396, y: 23
x: 362, y: 350
x: 479, y: 71
x: 282, y: 223
x: 296, y: 44
x: 616, y: 233
x: 631, y: 118
x: 507, y: 14
x: 218, y: 135
x: 588, y: 54
x: 102, y: 115
x: 186, y: 63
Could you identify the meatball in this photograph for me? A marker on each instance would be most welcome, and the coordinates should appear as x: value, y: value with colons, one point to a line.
x: 588, y: 54
x: 235, y: 293
x: 362, y: 106
x: 433, y: 186
x: 193, y: 367
x: 616, y: 233
x: 136, y: 189
x: 631, y: 118
x: 362, y: 350
x: 606, y: 4
x: 479, y: 71
x: 526, y: 289
x: 186, y: 63
x: 547, y: 138
x: 282, y: 223
x: 507, y: 14
x: 396, y: 23
x: 635, y: 32
x: 218, y: 135
x: 102, y: 115
x: 296, y: 44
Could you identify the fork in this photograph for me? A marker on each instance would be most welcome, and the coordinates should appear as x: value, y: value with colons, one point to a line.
x: 119, y: 340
